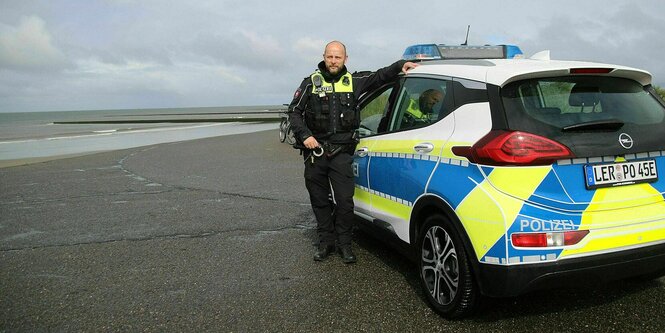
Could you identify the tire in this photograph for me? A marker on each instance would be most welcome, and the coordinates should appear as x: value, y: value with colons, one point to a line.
x: 445, y: 270
x: 289, y: 137
x: 282, y: 130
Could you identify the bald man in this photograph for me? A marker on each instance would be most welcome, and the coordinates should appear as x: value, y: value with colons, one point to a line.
x: 324, y: 119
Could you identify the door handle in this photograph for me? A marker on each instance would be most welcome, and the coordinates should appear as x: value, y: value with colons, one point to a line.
x: 362, y: 152
x: 423, y: 148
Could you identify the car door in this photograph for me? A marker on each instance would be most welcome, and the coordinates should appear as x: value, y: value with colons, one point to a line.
x: 374, y: 108
x: 402, y: 158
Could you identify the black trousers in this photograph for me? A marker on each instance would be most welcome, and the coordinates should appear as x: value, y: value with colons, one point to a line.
x: 332, y: 219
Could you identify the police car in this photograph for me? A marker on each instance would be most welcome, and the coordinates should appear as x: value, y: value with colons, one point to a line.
x: 525, y: 174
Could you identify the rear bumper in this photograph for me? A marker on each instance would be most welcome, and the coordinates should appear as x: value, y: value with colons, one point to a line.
x: 502, y: 281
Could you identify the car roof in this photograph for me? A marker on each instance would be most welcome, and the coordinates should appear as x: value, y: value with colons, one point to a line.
x: 503, y: 71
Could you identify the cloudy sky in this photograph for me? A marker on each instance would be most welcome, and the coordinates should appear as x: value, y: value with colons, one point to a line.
x: 121, y: 54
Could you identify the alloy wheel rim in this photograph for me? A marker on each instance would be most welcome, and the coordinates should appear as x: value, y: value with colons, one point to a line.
x: 440, y: 268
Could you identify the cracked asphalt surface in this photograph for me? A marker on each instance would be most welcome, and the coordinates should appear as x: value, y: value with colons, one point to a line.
x: 217, y: 235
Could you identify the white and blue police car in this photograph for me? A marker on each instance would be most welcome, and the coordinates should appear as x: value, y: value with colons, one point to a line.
x: 516, y: 174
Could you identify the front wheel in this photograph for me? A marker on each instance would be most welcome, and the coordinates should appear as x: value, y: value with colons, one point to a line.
x: 445, y: 271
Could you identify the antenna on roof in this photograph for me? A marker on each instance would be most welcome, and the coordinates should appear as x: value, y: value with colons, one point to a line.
x: 467, y: 35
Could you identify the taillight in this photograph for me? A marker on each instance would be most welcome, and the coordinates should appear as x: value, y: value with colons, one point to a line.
x: 590, y: 70
x: 548, y: 239
x: 513, y: 148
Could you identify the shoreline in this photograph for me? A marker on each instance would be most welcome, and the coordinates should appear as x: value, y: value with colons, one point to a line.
x: 170, y: 120
x: 77, y: 146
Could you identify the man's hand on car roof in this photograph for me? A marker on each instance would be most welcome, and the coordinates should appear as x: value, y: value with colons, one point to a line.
x: 409, y: 66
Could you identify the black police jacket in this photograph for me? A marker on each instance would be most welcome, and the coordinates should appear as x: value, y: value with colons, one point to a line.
x: 332, y: 116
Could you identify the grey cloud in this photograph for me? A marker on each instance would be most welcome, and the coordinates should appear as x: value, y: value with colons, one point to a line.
x: 242, y: 48
x: 629, y: 35
x: 29, y: 46
x: 123, y: 53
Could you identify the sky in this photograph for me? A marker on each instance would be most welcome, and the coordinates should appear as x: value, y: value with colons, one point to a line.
x: 60, y: 55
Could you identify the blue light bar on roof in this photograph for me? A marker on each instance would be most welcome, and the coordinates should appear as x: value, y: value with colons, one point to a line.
x: 513, y: 52
x: 422, y: 52
x: 441, y: 51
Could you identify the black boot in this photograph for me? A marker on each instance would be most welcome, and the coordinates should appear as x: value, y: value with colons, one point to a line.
x: 323, y: 252
x: 347, y: 254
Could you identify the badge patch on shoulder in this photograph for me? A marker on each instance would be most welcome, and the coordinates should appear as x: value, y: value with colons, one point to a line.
x: 297, y: 93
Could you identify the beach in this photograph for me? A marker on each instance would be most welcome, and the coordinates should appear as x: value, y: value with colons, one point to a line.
x: 42, y: 136
x: 33, y: 150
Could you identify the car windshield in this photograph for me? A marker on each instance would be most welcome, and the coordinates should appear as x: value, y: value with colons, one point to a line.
x: 582, y: 102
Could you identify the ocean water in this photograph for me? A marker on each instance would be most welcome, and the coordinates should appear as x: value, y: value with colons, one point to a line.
x: 46, y: 134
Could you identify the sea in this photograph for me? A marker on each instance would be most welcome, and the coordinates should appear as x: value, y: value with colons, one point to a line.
x: 41, y: 135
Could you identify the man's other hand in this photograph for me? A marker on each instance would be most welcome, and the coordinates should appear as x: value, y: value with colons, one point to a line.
x: 311, y: 143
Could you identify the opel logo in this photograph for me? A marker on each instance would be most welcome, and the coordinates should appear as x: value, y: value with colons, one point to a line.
x: 625, y: 140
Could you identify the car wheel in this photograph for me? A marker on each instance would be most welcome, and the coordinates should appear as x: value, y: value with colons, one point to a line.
x: 445, y: 271
x: 290, y: 137
x: 282, y: 131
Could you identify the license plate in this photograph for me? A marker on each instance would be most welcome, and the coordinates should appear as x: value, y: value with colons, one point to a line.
x: 617, y: 174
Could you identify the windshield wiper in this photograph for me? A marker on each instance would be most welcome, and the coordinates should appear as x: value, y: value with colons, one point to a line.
x: 597, y: 125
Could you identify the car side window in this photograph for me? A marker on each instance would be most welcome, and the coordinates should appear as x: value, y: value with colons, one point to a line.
x: 372, y: 113
x: 421, y: 102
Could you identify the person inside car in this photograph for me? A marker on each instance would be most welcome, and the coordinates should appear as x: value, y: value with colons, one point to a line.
x: 422, y: 110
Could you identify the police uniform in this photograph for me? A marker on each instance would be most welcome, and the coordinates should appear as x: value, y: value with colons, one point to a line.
x: 414, y: 111
x: 324, y: 106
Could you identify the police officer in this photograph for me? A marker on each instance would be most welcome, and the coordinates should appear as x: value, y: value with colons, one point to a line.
x: 324, y: 119
x: 422, y: 110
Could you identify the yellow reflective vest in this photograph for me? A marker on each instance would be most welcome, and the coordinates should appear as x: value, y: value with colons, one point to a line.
x: 414, y: 110
x: 332, y: 105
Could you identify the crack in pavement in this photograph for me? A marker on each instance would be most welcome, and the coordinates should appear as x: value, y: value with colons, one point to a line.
x: 168, y: 188
x: 173, y: 188
x: 298, y: 226
x: 38, y: 201
x: 183, y: 187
